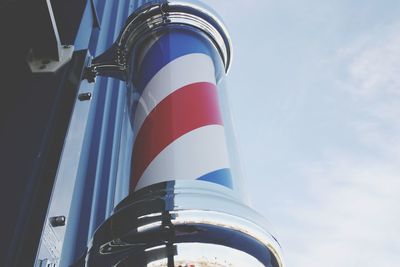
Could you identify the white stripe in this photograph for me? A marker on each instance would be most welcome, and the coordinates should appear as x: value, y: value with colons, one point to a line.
x: 180, y: 72
x: 191, y: 156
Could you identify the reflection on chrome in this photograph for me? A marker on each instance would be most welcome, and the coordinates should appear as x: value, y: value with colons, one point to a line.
x: 147, y: 227
x: 150, y: 215
x: 197, y: 224
x: 208, y: 255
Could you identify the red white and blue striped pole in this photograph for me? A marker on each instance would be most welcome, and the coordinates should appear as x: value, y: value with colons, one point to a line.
x: 179, y: 132
x: 183, y: 208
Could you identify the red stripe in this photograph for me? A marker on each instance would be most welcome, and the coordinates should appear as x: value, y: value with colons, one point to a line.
x: 186, y: 109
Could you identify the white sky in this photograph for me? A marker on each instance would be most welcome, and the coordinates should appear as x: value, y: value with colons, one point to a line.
x: 315, y: 94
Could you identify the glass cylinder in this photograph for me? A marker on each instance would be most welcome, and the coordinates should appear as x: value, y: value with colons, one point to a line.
x: 179, y: 130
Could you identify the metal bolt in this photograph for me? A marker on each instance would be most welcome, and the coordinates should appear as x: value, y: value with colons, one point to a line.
x: 57, y: 221
x: 164, y: 8
x: 85, y: 96
x: 89, y: 74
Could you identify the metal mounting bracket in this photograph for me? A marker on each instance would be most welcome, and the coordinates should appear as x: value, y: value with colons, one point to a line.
x: 47, y: 64
x: 47, y: 54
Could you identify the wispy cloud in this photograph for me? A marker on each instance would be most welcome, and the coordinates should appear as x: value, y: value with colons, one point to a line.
x: 352, y: 210
x: 374, y: 84
x: 352, y: 220
x: 375, y: 68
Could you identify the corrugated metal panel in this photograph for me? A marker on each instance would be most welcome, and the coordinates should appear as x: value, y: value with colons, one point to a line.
x: 99, y: 179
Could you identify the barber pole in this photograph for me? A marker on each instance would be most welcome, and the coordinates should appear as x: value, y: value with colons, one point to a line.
x: 183, y: 208
x: 179, y: 132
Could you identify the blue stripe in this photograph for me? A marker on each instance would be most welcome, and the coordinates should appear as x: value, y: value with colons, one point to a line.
x: 173, y: 44
x: 221, y: 176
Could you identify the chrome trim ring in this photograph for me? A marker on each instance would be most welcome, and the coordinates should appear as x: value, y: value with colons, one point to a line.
x: 153, y: 16
x: 153, y: 223
x: 166, y: 12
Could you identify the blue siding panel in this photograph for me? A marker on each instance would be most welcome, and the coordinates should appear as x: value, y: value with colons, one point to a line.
x: 99, y: 174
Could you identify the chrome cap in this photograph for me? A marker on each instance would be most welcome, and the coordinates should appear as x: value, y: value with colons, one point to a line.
x: 154, y: 15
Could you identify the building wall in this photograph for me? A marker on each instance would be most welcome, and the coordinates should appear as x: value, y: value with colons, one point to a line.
x: 90, y: 162
x: 59, y: 155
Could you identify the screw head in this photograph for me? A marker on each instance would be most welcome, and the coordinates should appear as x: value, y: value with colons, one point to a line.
x: 85, y: 96
x: 57, y: 221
